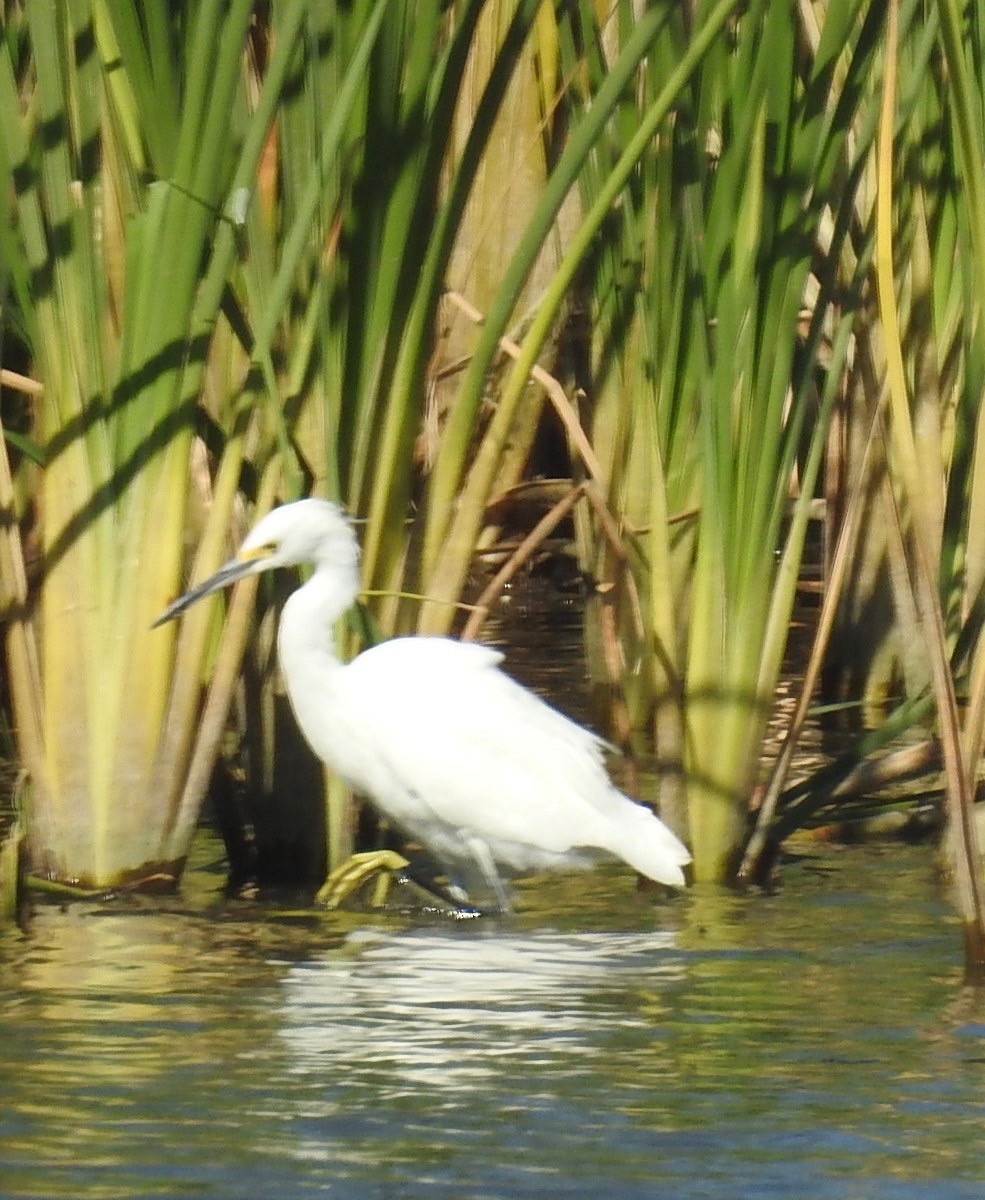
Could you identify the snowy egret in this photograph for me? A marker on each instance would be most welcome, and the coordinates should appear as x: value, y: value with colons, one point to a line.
x: 457, y: 753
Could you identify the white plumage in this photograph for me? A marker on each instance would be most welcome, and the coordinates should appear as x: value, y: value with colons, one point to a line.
x: 479, y: 769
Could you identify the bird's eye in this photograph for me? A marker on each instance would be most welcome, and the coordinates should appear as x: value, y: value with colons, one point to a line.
x: 267, y: 550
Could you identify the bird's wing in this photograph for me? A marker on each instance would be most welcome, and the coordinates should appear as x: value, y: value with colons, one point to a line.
x: 480, y: 751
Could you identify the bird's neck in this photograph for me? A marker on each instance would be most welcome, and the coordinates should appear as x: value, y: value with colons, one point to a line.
x: 305, y: 633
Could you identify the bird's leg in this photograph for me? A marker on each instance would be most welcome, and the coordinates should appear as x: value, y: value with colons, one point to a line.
x: 386, y: 866
x: 458, y: 894
x: 480, y: 852
x: 353, y: 873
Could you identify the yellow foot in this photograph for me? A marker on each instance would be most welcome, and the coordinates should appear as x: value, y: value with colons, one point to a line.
x: 347, y: 879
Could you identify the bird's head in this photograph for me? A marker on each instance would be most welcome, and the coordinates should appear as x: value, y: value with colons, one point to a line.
x: 312, y: 530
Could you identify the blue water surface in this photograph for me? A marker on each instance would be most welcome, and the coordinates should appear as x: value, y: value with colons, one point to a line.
x: 816, y: 1044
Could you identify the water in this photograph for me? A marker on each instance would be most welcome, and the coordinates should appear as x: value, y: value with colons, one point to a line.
x: 816, y: 1044
x: 600, y: 1042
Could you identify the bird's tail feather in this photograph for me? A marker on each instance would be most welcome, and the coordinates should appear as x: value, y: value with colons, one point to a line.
x: 647, y: 844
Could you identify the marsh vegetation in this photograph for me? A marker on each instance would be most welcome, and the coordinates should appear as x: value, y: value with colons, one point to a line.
x: 680, y: 282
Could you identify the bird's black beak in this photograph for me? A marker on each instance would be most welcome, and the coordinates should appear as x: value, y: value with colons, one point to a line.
x: 228, y: 573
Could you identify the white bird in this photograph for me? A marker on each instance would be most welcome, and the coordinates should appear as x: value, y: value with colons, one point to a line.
x: 476, y: 767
